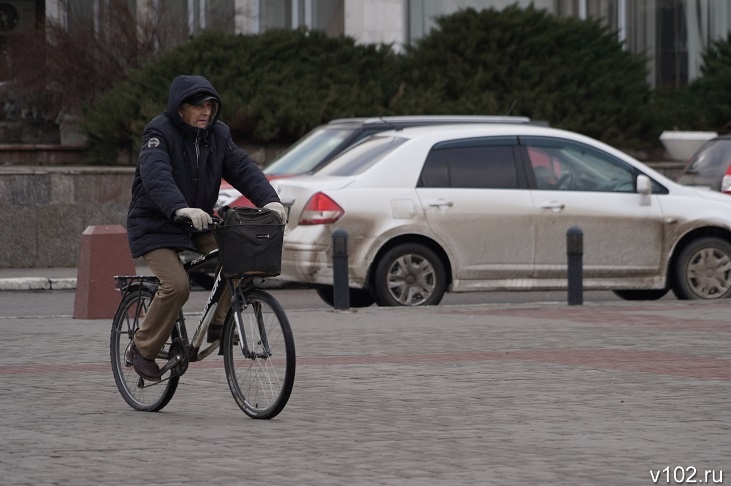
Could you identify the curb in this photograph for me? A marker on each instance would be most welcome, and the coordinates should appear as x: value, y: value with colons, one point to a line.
x: 37, y: 283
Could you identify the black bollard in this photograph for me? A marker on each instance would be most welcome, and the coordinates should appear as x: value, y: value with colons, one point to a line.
x: 341, y: 292
x: 575, y: 254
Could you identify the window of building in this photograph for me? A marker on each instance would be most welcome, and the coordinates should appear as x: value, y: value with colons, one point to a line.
x: 324, y: 15
x: 673, y: 34
x: 421, y: 13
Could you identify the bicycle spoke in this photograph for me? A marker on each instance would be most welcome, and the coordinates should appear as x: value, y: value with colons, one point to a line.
x: 140, y: 394
x: 261, y: 384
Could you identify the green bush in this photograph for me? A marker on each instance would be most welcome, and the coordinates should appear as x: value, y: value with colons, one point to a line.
x: 572, y: 73
x: 275, y: 86
x: 278, y: 85
x: 707, y: 104
x: 677, y: 108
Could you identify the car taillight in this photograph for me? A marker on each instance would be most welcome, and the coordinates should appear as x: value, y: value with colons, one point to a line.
x: 726, y: 181
x: 321, y: 209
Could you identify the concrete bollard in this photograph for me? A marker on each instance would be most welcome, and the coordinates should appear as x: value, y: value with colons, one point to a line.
x: 103, y: 253
x: 575, y: 254
x: 341, y: 291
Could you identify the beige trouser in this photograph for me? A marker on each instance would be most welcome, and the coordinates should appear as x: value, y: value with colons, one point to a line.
x: 172, y: 294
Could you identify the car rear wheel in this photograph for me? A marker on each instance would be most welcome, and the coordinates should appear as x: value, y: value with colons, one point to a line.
x: 648, y: 294
x: 703, y: 270
x: 409, y: 275
x: 357, y: 297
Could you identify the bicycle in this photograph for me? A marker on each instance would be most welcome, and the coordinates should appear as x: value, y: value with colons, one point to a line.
x: 256, y: 343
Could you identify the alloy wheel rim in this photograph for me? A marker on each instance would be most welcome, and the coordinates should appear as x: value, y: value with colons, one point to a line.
x: 709, y: 273
x: 411, y: 280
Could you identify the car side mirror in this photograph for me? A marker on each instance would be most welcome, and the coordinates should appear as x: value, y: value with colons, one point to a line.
x: 644, y: 185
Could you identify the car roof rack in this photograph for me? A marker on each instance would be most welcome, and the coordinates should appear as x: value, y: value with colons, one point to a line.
x: 435, y: 119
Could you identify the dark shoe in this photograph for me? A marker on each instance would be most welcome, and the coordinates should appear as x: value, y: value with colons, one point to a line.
x: 146, y: 368
x: 214, y: 333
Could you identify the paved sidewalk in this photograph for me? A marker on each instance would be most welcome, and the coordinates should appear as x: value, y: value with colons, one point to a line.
x: 616, y: 393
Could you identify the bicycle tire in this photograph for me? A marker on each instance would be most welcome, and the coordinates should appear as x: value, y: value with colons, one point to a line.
x: 139, y: 394
x: 261, y: 384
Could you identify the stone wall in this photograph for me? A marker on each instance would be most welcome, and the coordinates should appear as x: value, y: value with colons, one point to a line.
x: 44, y: 210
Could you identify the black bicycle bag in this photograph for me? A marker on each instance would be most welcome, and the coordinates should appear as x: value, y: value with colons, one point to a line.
x: 249, y: 242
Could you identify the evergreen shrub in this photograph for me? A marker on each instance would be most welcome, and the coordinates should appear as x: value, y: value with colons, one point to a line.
x: 572, y: 73
x: 278, y: 85
x: 275, y: 86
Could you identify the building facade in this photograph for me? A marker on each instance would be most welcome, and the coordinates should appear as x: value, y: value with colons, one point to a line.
x: 672, y: 33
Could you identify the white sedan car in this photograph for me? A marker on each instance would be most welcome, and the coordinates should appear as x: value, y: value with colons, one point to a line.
x: 440, y: 209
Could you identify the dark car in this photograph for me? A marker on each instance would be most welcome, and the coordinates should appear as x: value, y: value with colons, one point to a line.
x: 710, y: 166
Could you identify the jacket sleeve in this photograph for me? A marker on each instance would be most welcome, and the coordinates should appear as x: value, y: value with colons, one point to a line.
x: 157, y: 174
x: 244, y: 174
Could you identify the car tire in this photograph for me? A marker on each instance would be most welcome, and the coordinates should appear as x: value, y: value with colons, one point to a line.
x: 357, y: 297
x: 409, y: 275
x: 647, y: 294
x: 703, y: 270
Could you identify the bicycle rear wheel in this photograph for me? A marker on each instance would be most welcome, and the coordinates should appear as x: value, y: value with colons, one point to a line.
x: 261, y: 382
x: 138, y: 393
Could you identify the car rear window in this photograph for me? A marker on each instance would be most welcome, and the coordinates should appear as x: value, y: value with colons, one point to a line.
x: 309, y: 152
x: 361, y: 156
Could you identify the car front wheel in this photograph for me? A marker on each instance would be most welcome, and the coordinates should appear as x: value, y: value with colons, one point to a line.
x: 409, y: 275
x: 703, y: 270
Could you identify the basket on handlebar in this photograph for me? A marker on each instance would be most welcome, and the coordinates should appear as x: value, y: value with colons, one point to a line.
x: 250, y: 242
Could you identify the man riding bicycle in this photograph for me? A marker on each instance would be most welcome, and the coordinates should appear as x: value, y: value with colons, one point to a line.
x: 185, y: 153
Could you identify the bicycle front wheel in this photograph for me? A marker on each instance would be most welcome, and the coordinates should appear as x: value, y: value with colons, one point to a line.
x: 138, y: 393
x: 261, y: 375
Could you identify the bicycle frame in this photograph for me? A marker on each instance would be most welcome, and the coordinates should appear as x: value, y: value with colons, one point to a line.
x: 130, y: 284
x: 195, y: 353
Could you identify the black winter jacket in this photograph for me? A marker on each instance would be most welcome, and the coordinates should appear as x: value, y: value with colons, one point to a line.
x: 181, y: 166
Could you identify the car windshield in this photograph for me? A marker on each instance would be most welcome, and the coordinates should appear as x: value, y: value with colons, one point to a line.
x: 361, y: 156
x: 712, y: 160
x: 309, y: 152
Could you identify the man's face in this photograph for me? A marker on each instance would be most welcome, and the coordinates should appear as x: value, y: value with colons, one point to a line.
x: 197, y: 115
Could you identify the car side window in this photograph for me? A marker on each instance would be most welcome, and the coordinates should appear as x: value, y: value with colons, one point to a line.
x: 546, y: 168
x: 562, y: 165
x: 470, y: 164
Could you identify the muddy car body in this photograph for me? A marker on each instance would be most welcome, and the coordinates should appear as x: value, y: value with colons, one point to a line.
x: 465, y: 208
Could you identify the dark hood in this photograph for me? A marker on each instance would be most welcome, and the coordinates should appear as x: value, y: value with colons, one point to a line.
x: 185, y: 86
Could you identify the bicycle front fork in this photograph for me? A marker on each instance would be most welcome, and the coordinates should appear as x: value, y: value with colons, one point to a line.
x: 238, y: 302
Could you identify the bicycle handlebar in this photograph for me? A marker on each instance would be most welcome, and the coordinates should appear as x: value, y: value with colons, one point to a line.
x: 186, y: 220
x: 222, y: 210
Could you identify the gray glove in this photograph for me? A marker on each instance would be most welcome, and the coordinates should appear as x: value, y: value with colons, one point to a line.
x: 198, y: 218
x: 279, y: 209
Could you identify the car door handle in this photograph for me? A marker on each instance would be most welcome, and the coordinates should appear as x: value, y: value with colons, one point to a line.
x: 554, y: 206
x: 441, y: 203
